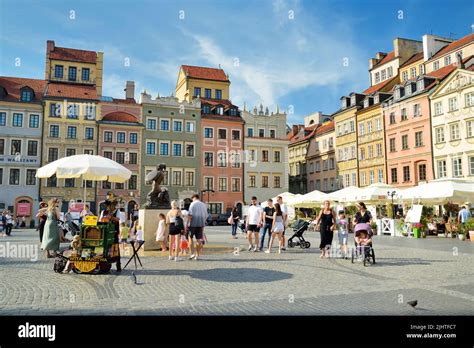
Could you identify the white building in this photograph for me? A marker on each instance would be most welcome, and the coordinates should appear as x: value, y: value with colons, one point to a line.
x: 266, y: 154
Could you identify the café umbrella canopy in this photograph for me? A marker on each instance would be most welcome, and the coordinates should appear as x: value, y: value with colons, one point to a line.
x: 375, y: 193
x: 346, y: 195
x: 286, y: 196
x: 309, y: 200
x: 85, y: 167
x: 440, y: 191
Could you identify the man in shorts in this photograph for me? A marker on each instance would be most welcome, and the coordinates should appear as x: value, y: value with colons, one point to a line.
x: 254, y: 223
x: 195, y: 222
x: 284, y: 210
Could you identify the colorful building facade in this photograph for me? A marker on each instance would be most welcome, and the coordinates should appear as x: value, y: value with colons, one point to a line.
x: 321, y: 159
x: 120, y: 139
x: 21, y: 118
x: 265, y: 154
x: 452, y: 120
x: 71, y: 104
x: 171, y: 136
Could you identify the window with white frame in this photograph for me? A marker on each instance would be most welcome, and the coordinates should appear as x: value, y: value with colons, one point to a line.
x: 235, y: 184
x: 377, y: 77
x: 361, y: 129
x: 470, y: 128
x: 442, y: 170
x: 151, y: 123
x: 348, y: 182
x: 413, y: 72
x: 378, y: 124
x: 379, y: 150
x: 190, y: 126
x: 384, y: 74
x: 353, y: 151
x: 438, y: 108
x: 209, y: 183
x: 422, y: 69
x: 371, y: 177
x: 222, y: 159
x: 369, y: 127
x: 416, y: 110
x: 447, y: 60
x: 454, y: 131
x: 380, y: 175
x: 471, y: 165
x: 453, y: 104
x: 469, y: 99
x: 352, y: 126
x: 389, y: 71
x: 436, y: 65
x: 364, y: 178
x: 222, y: 184
x: 439, y: 132
x: 457, y: 166
x: 405, y: 75
x: 371, y: 151
x: 418, y: 139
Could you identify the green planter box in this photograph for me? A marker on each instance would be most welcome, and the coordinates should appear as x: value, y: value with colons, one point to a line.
x: 416, y: 232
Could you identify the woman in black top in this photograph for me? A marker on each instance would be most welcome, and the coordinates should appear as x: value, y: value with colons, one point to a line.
x: 363, y: 215
x: 235, y: 221
x: 326, y: 220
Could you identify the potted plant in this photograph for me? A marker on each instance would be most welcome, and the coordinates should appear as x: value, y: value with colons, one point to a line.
x: 424, y: 225
x: 469, y: 227
x: 373, y: 226
x: 417, y: 229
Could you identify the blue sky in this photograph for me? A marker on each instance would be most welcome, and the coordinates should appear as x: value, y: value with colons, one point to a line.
x: 271, y: 58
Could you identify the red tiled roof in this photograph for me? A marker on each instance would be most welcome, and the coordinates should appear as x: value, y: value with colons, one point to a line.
x: 390, y: 56
x: 378, y: 86
x: 443, y: 72
x: 120, y: 116
x: 120, y: 101
x: 62, y: 90
x: 74, y: 55
x: 203, y: 73
x: 454, y: 45
x: 325, y: 127
x: 13, y: 85
x: 301, y: 136
x: 413, y: 59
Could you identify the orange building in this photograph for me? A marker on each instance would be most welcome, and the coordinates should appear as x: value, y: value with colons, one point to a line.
x: 222, y: 132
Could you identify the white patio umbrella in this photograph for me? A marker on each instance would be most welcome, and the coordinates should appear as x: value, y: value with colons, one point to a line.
x: 440, y: 191
x: 86, y: 167
x: 375, y: 193
x: 346, y: 195
x: 309, y: 200
x: 286, y: 196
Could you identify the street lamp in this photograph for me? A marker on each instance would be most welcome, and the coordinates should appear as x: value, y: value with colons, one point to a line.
x: 208, y: 191
x: 392, y: 194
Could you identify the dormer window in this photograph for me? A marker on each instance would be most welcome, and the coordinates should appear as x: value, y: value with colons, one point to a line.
x: 420, y: 84
x: 343, y: 103
x: 206, y: 109
x: 398, y: 93
x: 408, y: 89
x: 376, y: 99
x: 353, y: 100
x: 366, y: 103
x: 26, y: 94
x: 233, y: 112
x: 220, y: 110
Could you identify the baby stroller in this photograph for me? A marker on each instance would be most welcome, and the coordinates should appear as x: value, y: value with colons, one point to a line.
x: 299, y: 228
x: 363, y: 252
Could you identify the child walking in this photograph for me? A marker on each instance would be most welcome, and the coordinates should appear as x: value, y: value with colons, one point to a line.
x: 124, y: 232
x: 342, y: 233
x: 161, y: 235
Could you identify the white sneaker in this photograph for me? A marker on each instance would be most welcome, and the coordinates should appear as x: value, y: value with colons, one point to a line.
x: 255, y: 249
x: 170, y: 258
x: 196, y: 258
x: 192, y: 256
x: 176, y: 258
x: 250, y: 247
x: 267, y: 251
x: 279, y: 251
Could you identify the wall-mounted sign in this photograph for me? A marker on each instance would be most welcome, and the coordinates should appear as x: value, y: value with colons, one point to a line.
x: 23, y: 209
x: 19, y: 159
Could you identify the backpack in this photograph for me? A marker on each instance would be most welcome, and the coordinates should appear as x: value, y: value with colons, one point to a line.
x: 179, y: 222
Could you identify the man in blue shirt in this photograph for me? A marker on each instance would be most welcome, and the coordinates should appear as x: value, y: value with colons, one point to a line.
x: 463, y: 216
x: 197, y: 216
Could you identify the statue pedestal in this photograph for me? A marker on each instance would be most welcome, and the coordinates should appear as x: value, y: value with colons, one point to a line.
x: 148, y: 219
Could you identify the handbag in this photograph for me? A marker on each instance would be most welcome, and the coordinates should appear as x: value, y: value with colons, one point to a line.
x: 179, y: 223
x: 230, y: 220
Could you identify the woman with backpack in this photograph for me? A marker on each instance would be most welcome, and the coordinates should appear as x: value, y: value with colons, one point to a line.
x: 174, y: 219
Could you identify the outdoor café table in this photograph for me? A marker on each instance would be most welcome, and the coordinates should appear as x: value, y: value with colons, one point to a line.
x: 135, y: 253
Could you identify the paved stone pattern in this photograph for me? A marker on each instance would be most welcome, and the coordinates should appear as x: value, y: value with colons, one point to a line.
x: 437, y: 272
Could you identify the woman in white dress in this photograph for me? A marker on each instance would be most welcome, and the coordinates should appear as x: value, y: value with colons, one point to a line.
x: 161, y: 235
x: 279, y: 220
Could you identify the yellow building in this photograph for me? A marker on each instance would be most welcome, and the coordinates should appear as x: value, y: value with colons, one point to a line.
x: 346, y: 140
x: 412, y: 68
x: 299, y: 140
x: 71, y: 109
x: 371, y: 135
x: 204, y: 82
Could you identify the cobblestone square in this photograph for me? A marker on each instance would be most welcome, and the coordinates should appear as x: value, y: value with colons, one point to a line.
x: 435, y: 271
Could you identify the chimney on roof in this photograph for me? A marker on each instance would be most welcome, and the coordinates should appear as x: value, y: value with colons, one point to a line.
x: 49, y: 46
x: 49, y: 49
x: 459, y: 63
x: 380, y: 55
x: 432, y: 44
x: 130, y: 90
x: 295, y: 129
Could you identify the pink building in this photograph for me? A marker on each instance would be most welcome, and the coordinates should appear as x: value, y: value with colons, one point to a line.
x: 408, y: 131
x: 120, y: 129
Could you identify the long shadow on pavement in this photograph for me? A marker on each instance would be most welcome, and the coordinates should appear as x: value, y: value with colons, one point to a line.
x: 226, y: 275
